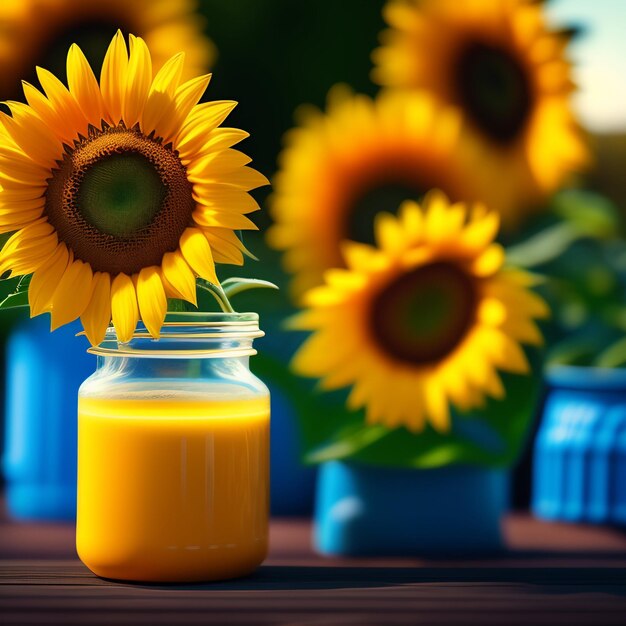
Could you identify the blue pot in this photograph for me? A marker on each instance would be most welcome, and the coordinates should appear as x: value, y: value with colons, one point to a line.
x: 579, y: 471
x: 363, y: 510
x: 43, y: 373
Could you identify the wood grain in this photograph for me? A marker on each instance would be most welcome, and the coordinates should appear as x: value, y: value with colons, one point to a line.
x: 552, y: 574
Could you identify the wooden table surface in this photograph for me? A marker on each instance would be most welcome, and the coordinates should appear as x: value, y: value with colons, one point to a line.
x: 551, y: 574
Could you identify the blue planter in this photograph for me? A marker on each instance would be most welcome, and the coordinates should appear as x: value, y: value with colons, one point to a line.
x: 43, y: 373
x: 362, y: 510
x: 579, y: 471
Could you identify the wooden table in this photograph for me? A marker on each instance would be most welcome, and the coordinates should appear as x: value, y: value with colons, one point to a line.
x: 552, y: 574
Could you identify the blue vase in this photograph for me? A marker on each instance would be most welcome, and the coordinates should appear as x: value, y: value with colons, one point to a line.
x: 43, y: 373
x: 579, y: 468
x: 363, y: 510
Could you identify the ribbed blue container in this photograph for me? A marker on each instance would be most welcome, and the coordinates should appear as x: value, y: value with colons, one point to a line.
x: 363, y: 510
x: 579, y: 472
x: 43, y: 373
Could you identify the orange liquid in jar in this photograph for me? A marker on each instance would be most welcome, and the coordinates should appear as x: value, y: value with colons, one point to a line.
x: 173, y: 489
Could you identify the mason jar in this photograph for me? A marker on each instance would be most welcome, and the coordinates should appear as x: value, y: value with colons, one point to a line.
x: 173, y: 453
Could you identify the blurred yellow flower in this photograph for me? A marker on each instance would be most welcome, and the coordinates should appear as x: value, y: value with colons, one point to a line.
x: 425, y: 319
x: 341, y: 168
x: 120, y: 193
x: 507, y: 71
x: 39, y: 32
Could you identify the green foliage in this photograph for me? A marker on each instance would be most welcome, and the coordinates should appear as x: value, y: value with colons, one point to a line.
x: 16, y: 294
x: 579, y: 252
x: 228, y: 288
x: 493, y: 436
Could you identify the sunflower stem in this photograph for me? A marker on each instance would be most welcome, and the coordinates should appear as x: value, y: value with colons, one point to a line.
x: 218, y: 293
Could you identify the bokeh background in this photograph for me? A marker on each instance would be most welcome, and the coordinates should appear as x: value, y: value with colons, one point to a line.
x: 274, y: 55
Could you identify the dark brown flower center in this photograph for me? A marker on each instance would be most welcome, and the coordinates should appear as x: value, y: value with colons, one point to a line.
x: 494, y: 89
x: 421, y: 317
x: 119, y: 200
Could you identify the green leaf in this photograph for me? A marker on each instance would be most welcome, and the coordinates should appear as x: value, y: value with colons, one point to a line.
x: 592, y: 214
x: 613, y: 356
x: 543, y: 247
x: 582, y: 215
x: 19, y: 297
x: 235, y: 285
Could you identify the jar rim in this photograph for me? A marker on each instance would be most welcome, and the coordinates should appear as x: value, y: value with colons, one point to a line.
x: 188, y: 334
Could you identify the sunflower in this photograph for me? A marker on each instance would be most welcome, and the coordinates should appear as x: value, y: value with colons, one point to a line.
x: 424, y: 320
x: 33, y: 32
x: 119, y: 194
x: 340, y: 168
x: 498, y: 62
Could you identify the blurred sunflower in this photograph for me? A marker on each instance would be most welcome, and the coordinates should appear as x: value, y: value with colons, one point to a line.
x: 120, y: 193
x: 424, y: 320
x: 37, y: 32
x: 507, y: 71
x: 340, y: 168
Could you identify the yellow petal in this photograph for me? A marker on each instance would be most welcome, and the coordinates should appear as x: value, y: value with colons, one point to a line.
x: 151, y: 299
x: 185, y: 98
x: 226, y: 247
x: 28, y: 248
x: 124, y: 307
x: 215, y: 165
x: 203, y: 120
x: 97, y: 315
x: 224, y: 197
x: 72, y: 294
x: 389, y: 233
x: 437, y: 406
x: 244, y: 178
x: 179, y: 276
x: 32, y: 135
x: 204, y: 216
x: 160, y: 105
x: 45, y: 281
x: 113, y: 77
x: 197, y: 252
x: 490, y: 261
x: 138, y: 80
x: 84, y: 86
x: 63, y: 102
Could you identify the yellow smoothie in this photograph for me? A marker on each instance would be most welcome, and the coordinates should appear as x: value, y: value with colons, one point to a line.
x: 174, y: 488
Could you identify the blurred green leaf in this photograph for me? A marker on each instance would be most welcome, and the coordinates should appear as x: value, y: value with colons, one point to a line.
x: 543, y: 247
x: 613, y: 356
x: 592, y: 214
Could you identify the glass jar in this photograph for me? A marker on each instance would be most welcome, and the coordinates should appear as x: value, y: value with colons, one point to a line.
x: 173, y: 453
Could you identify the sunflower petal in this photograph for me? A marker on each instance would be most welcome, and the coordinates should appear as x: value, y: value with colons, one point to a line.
x: 138, y: 80
x: 151, y: 299
x: 179, y: 276
x: 45, y: 281
x: 113, y: 78
x: 97, y: 315
x: 197, y: 252
x: 124, y: 307
x: 72, y: 294
x: 84, y: 85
